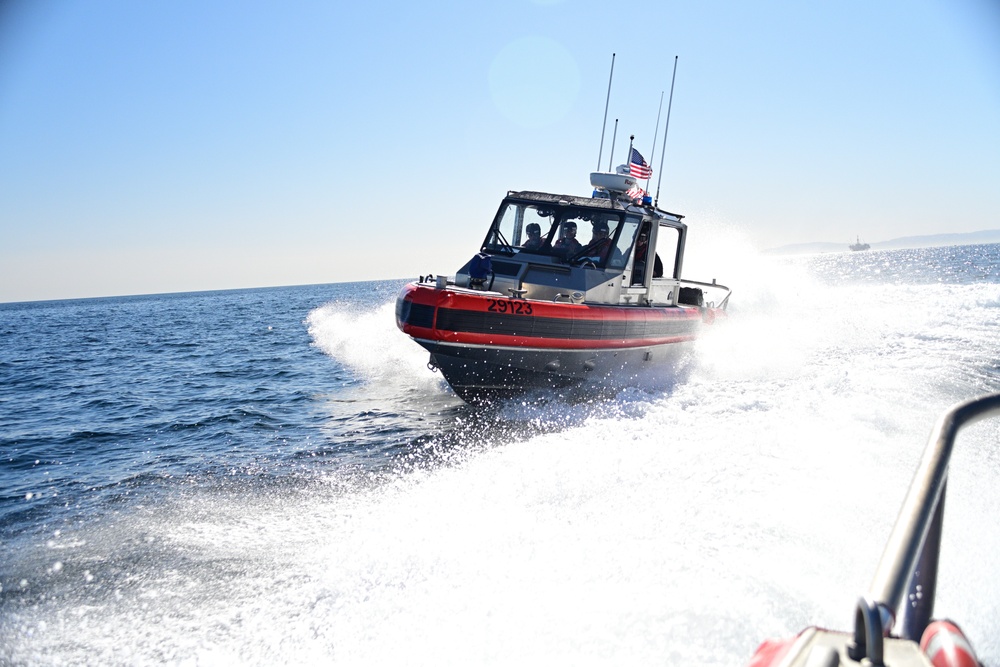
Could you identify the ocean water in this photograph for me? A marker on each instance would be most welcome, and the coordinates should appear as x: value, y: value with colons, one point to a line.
x: 275, y: 477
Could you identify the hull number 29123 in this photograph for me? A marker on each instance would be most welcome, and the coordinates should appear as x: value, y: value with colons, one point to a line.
x: 511, y: 306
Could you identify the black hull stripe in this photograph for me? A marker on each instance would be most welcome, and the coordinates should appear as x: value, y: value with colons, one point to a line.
x: 415, y: 314
x: 463, y: 321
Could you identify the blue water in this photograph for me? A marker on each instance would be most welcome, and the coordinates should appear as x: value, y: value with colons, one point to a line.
x: 107, y: 396
x: 274, y: 476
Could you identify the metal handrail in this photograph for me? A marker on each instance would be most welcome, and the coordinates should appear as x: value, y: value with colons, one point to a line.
x: 713, y: 284
x: 909, y: 560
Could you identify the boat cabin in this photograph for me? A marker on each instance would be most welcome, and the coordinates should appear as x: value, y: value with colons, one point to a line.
x: 597, y: 250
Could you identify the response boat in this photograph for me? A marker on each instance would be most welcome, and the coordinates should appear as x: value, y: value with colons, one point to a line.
x: 894, y: 622
x: 539, y: 307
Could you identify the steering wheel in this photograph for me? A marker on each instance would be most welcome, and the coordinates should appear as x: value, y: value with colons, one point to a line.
x: 588, y: 264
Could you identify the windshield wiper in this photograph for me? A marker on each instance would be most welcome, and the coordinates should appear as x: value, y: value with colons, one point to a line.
x: 507, y: 249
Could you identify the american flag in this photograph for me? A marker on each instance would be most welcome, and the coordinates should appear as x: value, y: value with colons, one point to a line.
x: 635, y: 192
x: 637, y: 166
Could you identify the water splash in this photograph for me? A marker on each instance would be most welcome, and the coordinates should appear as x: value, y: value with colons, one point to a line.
x: 368, y: 342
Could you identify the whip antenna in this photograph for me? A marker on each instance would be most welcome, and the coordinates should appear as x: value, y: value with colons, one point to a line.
x: 611, y: 157
x: 665, y: 128
x: 605, y: 124
x: 656, y: 129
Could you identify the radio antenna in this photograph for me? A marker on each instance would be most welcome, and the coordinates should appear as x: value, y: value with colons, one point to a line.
x: 605, y: 124
x: 666, y: 127
x: 656, y: 129
x: 611, y: 157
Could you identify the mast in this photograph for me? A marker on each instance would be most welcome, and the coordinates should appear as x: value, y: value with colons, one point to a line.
x: 604, y: 125
x: 666, y: 127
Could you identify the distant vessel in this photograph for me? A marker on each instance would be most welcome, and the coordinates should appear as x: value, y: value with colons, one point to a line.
x: 859, y: 245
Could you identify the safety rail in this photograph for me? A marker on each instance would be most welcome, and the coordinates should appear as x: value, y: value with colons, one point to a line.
x: 713, y: 285
x: 902, y: 592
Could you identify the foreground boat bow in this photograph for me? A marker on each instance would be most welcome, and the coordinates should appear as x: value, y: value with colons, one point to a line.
x: 893, y: 622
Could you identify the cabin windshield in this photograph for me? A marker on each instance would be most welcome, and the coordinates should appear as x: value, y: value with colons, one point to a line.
x: 574, y: 235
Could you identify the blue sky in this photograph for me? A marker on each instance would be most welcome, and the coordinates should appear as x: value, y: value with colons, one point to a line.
x: 172, y: 146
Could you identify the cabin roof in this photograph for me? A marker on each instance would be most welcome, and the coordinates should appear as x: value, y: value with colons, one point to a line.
x: 554, y: 199
x: 588, y: 202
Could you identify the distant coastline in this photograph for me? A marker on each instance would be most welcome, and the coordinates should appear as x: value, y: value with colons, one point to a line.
x: 928, y: 241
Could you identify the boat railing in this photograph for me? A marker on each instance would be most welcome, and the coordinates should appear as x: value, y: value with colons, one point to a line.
x: 712, y: 285
x: 901, y: 595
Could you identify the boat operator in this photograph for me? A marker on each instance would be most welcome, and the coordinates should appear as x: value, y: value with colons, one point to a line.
x: 567, y: 245
x: 534, y: 242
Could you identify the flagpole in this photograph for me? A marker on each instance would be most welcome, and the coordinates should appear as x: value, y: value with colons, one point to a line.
x: 604, y: 126
x: 611, y: 157
x: 630, y: 140
x: 656, y: 129
x: 666, y: 127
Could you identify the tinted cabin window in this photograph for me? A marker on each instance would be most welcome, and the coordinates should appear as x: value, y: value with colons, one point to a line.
x: 642, y: 252
x: 624, y: 243
x: 510, y: 232
x: 573, y: 235
x: 666, y: 249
